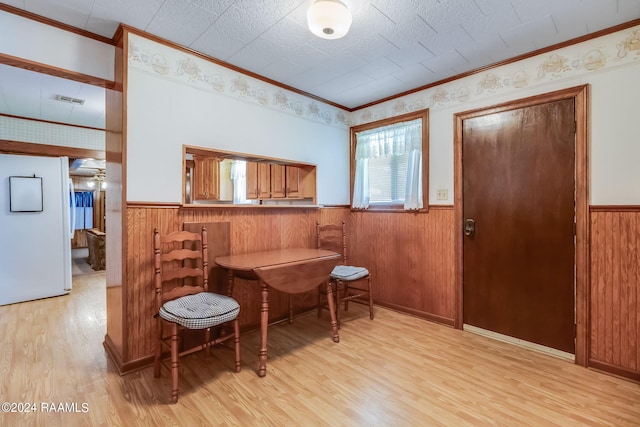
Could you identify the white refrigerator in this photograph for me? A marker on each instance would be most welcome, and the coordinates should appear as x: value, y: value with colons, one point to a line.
x: 35, y: 227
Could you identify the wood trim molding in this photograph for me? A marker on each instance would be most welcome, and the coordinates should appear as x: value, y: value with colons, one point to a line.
x: 414, y: 115
x: 423, y: 315
x: 17, y: 147
x: 222, y: 63
x: 49, y: 121
x: 116, y: 247
x: 158, y: 205
x: 580, y: 95
x: 161, y: 205
x: 53, y: 23
x: 39, y: 67
x: 583, y: 225
x: 614, y: 208
x: 113, y: 354
x: 524, y: 56
x: 615, y: 370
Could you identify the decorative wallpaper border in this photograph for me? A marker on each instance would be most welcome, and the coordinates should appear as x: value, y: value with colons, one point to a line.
x: 606, y: 52
x: 173, y: 64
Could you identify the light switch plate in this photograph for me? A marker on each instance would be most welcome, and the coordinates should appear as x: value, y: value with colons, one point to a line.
x: 442, y: 194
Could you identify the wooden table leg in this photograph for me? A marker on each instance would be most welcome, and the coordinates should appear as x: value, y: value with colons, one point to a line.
x: 290, y: 308
x: 231, y: 283
x: 264, y: 323
x: 332, y: 312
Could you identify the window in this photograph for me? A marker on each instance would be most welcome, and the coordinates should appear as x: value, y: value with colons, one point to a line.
x: 389, y: 163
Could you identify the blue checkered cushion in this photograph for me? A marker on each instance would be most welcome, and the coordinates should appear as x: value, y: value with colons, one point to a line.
x: 347, y: 272
x: 200, y: 311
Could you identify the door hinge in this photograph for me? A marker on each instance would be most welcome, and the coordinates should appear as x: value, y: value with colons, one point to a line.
x: 575, y: 229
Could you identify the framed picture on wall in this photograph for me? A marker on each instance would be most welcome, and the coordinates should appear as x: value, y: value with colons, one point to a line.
x: 25, y: 194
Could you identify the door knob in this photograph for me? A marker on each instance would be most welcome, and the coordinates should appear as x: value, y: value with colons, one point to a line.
x: 469, y: 227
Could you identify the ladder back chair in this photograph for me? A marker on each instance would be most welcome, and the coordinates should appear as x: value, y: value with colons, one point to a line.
x: 182, y: 300
x: 350, y: 283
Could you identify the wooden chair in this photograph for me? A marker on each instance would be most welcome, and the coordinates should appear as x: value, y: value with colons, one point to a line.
x: 183, y: 301
x: 350, y: 283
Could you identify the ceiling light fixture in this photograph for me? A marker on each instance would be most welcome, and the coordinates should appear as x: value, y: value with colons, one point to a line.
x: 329, y: 19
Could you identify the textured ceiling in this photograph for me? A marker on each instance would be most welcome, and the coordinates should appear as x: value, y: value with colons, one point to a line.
x: 393, y: 45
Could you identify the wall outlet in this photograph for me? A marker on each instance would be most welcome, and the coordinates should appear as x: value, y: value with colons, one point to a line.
x: 442, y: 194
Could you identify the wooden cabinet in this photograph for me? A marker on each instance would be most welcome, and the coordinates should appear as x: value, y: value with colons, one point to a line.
x: 97, y: 249
x: 272, y: 181
x: 292, y: 177
x: 258, y: 180
x: 206, y: 178
x: 213, y: 177
x: 278, y: 181
x: 252, y: 180
x: 264, y: 180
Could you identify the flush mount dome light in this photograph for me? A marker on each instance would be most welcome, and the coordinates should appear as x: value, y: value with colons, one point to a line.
x: 329, y: 19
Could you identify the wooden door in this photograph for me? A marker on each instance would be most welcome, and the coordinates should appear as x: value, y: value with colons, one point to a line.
x: 518, y: 170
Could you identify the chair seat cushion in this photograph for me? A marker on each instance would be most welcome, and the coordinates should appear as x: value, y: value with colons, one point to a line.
x: 200, y: 311
x: 347, y: 272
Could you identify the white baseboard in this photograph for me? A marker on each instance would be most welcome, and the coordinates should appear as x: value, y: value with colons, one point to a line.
x: 522, y: 343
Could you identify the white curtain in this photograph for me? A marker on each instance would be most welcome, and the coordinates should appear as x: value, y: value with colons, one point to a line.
x: 413, y: 192
x: 393, y: 140
x: 361, y: 184
x: 239, y: 178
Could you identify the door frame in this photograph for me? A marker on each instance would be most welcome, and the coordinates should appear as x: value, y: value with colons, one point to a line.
x: 580, y: 94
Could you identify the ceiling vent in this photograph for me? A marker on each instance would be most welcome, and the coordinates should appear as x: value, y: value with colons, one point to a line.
x: 70, y: 100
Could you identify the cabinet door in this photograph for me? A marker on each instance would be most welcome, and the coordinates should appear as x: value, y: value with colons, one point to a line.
x: 258, y: 180
x: 206, y: 178
x: 264, y: 180
x: 293, y: 181
x: 252, y: 180
x: 278, y: 181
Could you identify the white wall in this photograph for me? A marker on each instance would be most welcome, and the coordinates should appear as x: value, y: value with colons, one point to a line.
x: 615, y: 137
x: 33, y: 41
x: 614, y: 79
x: 165, y: 111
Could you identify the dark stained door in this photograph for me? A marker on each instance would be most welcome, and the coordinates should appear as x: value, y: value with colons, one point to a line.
x: 518, y: 170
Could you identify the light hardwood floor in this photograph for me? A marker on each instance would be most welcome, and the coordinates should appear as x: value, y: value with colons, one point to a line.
x: 394, y: 371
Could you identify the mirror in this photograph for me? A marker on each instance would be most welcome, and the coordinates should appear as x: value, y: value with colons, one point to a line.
x: 213, y: 177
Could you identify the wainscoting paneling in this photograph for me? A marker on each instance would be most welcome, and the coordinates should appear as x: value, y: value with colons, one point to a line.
x: 251, y: 230
x: 410, y: 256
x: 615, y: 290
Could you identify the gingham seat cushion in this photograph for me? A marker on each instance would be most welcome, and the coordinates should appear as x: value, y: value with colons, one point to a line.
x: 347, y: 272
x: 201, y: 310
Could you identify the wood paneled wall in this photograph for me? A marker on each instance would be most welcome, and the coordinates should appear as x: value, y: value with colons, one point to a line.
x: 251, y: 230
x: 615, y: 291
x: 410, y: 256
